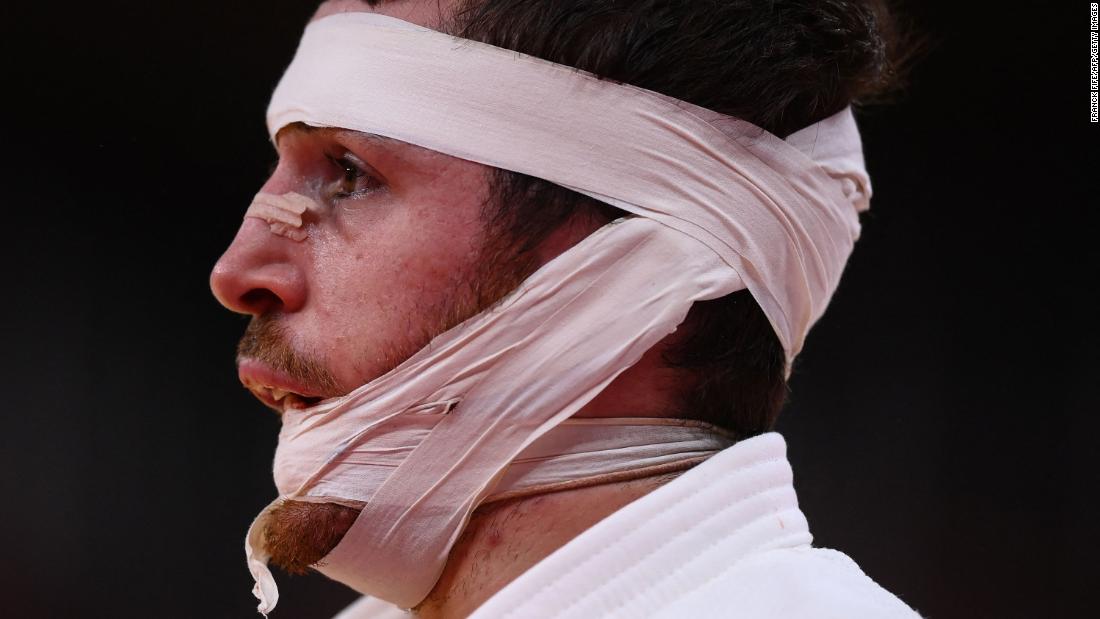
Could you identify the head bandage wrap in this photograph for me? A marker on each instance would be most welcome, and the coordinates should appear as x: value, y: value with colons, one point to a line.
x: 722, y: 206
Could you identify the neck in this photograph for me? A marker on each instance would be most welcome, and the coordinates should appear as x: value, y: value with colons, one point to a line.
x: 505, y: 539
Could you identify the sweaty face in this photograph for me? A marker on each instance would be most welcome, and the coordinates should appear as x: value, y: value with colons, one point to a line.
x: 397, y: 252
x: 395, y: 255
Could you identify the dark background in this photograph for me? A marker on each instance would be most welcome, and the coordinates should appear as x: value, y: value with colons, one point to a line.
x: 942, y: 423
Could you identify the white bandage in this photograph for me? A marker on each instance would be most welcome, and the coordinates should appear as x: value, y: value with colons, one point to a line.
x: 723, y: 205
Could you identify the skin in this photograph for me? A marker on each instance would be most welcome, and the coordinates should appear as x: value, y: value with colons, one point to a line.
x: 396, y: 253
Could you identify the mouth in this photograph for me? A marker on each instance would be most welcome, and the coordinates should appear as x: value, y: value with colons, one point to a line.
x: 276, y: 390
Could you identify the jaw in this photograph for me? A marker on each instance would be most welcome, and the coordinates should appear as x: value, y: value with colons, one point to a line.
x: 298, y: 534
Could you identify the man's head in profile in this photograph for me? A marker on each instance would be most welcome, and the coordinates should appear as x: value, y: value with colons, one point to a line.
x: 444, y: 317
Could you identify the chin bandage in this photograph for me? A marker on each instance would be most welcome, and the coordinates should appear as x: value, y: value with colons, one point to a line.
x: 283, y: 213
x: 720, y: 205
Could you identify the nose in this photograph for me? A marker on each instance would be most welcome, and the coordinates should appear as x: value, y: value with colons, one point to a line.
x: 259, y: 273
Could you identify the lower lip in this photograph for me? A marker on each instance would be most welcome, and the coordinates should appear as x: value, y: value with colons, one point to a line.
x: 253, y: 372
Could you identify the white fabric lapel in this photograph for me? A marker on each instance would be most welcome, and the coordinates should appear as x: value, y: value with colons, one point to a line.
x: 657, y: 549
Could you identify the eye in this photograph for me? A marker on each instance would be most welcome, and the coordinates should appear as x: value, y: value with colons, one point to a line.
x: 353, y: 180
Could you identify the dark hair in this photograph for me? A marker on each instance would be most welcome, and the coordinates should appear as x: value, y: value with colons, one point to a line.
x: 780, y: 64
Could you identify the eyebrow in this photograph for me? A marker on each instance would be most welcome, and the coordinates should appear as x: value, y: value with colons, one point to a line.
x: 301, y: 127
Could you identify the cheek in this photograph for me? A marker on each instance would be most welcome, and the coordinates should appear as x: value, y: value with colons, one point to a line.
x: 406, y: 256
x: 426, y: 235
x: 380, y: 279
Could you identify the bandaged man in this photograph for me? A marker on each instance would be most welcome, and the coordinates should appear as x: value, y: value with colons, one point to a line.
x: 526, y: 287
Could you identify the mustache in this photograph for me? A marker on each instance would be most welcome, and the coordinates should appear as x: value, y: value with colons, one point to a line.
x: 266, y: 340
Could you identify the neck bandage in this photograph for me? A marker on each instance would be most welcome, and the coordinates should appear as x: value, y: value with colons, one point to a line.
x: 481, y: 412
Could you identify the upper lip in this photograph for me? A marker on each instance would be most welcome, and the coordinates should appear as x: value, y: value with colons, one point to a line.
x: 271, y: 386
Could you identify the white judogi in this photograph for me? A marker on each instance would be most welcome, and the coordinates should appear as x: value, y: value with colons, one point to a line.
x: 725, y: 539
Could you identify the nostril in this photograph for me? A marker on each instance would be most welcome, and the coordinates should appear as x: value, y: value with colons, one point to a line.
x: 260, y: 301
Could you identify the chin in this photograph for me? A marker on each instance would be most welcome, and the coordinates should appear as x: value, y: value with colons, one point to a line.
x: 298, y: 534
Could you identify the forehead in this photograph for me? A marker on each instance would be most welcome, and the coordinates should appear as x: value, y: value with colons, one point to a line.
x: 428, y: 13
x: 371, y: 139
